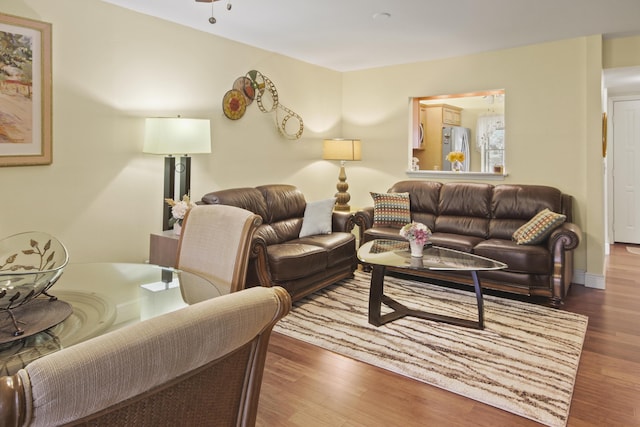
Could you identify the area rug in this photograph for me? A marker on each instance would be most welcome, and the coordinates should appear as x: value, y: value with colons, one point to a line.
x: 633, y: 250
x: 524, y: 361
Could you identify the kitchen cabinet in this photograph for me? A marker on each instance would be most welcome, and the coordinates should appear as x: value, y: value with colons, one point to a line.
x: 432, y: 118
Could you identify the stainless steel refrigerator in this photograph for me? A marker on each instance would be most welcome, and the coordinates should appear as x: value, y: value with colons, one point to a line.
x: 455, y: 138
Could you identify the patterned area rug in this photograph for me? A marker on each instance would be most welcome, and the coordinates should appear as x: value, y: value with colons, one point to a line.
x: 524, y: 361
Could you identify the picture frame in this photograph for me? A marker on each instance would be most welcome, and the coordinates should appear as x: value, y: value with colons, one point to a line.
x: 25, y: 92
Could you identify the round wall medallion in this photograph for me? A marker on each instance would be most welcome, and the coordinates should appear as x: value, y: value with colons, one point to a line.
x: 244, y: 85
x: 234, y: 104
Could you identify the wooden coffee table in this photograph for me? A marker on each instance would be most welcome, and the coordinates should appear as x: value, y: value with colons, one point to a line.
x: 381, y: 254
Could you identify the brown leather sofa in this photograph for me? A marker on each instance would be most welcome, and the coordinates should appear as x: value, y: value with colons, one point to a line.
x: 481, y: 219
x: 279, y: 256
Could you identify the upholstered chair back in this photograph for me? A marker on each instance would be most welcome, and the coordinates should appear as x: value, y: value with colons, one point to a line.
x: 200, y: 365
x: 216, y: 243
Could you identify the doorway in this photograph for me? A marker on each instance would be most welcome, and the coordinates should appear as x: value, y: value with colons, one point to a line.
x: 625, y: 171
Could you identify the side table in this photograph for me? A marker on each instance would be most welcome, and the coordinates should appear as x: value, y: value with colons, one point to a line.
x: 163, y: 248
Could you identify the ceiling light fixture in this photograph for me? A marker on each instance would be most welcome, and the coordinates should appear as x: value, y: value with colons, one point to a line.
x: 381, y: 16
x: 213, y: 20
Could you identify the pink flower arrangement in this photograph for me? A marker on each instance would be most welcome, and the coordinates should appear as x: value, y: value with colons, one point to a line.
x: 416, y: 231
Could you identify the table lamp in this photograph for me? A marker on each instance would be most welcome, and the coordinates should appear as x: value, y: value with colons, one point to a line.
x: 343, y: 150
x: 170, y: 136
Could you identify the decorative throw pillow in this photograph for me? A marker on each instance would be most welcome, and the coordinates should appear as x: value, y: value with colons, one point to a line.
x: 538, y: 228
x: 317, y: 217
x: 391, y: 209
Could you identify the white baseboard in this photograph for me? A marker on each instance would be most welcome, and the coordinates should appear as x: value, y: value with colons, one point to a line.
x: 578, y: 277
x: 595, y: 281
x: 589, y: 280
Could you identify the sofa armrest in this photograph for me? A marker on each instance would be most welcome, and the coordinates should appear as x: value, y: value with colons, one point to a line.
x: 364, y: 220
x: 564, y: 238
x: 260, y: 260
x: 561, y: 244
x: 342, y: 221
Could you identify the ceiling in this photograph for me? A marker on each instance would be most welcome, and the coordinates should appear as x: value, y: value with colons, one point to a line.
x: 347, y: 35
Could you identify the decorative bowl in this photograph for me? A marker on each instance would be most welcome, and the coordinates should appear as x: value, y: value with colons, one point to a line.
x: 30, y: 264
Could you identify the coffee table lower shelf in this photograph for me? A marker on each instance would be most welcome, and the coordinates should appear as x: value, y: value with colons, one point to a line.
x: 377, y: 298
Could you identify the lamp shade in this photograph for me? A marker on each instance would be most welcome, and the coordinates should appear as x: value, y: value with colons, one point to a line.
x: 341, y: 149
x: 175, y: 135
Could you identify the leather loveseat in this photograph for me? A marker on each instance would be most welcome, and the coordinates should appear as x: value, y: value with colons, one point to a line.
x: 301, y: 265
x: 481, y: 219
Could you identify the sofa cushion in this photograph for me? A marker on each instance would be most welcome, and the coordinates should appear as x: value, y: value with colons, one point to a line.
x: 391, y: 209
x: 280, y: 232
x: 424, y: 195
x: 339, y: 246
x: 476, y: 227
x: 458, y: 242
x: 427, y: 219
x: 318, y: 217
x: 504, y: 228
x: 389, y: 233
x: 532, y: 259
x: 245, y: 198
x: 538, y: 228
x: 290, y: 261
x: 465, y: 199
x: 282, y: 202
x: 464, y: 208
x: 524, y: 201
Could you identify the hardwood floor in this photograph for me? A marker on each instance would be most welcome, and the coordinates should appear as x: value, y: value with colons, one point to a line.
x: 304, y: 385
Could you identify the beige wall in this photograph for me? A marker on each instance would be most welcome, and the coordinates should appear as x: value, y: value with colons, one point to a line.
x: 548, y: 89
x: 621, y: 52
x: 113, y: 67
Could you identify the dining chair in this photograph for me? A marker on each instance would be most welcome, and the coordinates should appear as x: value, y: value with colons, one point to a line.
x: 201, y: 365
x: 215, y: 243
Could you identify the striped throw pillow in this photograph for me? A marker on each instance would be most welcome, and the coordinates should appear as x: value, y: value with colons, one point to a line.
x: 391, y: 209
x: 538, y: 228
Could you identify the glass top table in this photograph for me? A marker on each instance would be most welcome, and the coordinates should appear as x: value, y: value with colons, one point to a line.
x: 104, y: 297
x: 380, y: 254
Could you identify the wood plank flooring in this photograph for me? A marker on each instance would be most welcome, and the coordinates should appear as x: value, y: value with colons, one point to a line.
x: 307, y: 386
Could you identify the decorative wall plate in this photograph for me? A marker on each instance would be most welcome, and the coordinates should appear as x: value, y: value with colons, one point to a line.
x: 254, y: 85
x: 244, y: 85
x: 234, y: 104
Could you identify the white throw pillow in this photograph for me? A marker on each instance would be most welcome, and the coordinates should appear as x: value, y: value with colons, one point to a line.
x: 317, y: 217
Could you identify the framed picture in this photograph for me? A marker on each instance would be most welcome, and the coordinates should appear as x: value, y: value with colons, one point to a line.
x: 25, y: 91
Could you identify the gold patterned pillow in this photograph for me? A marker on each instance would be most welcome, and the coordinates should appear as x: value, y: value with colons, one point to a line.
x: 538, y: 228
x: 391, y: 209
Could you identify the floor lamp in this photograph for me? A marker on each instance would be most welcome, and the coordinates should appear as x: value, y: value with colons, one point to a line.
x: 170, y: 136
x: 343, y: 150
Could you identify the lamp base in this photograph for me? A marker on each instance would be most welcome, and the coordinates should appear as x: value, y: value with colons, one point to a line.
x: 342, y: 197
x: 169, y: 189
x: 342, y: 207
